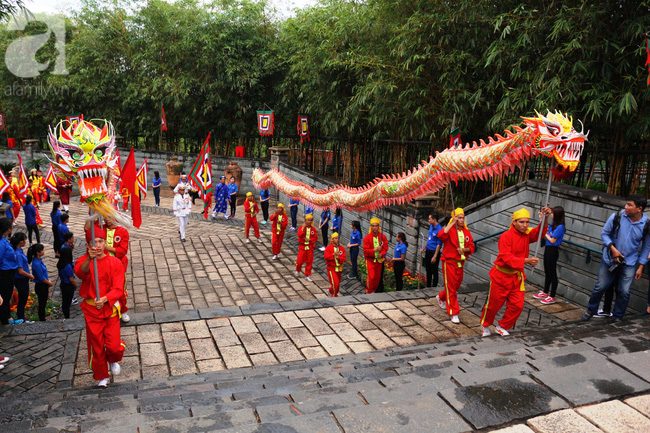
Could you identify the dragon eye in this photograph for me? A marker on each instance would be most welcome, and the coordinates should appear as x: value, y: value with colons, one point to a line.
x: 552, y: 129
x: 76, y: 155
x: 99, y: 153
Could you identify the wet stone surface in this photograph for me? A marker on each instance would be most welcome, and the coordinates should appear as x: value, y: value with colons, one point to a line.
x: 495, y: 403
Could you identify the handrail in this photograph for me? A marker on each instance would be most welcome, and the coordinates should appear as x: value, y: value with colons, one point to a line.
x: 575, y: 244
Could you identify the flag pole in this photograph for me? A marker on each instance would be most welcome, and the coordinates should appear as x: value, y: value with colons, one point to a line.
x: 548, y: 195
x: 451, y: 191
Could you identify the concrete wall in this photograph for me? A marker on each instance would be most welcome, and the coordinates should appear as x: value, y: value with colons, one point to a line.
x: 586, y: 213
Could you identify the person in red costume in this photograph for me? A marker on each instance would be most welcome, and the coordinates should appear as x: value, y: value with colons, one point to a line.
x: 307, y: 238
x: 375, y: 247
x: 117, y: 245
x: 457, y: 245
x: 125, y: 198
x: 105, y: 345
x: 251, y: 209
x: 278, y: 225
x: 16, y: 201
x: 63, y: 187
x: 507, y: 275
x: 334, y: 257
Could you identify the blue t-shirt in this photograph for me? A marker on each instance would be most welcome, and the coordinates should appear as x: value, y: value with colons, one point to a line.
x: 630, y: 236
x: 558, y: 234
x: 156, y: 181
x: 8, y: 212
x: 30, y: 214
x: 324, y: 216
x: 7, y: 255
x: 336, y: 223
x: 265, y: 194
x: 63, y: 229
x: 21, y: 258
x: 432, y: 239
x: 66, y: 273
x: 39, y: 271
x: 293, y: 202
x: 400, y: 250
x: 233, y: 188
x: 309, y: 210
x: 355, y: 237
x: 56, y: 218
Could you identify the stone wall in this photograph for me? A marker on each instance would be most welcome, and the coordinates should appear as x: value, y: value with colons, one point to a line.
x: 586, y: 213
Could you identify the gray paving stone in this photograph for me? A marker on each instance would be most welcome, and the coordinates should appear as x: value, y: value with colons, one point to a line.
x: 414, y: 416
x: 306, y: 304
x: 407, y: 294
x: 372, y: 298
x: 492, y: 403
x: 336, y: 302
x: 587, y: 377
x: 175, y: 316
x: 636, y: 362
x: 273, y: 307
x: 146, y: 318
x: 619, y: 345
x: 73, y: 325
x: 479, y: 377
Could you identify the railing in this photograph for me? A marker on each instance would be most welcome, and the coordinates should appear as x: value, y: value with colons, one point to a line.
x: 575, y: 244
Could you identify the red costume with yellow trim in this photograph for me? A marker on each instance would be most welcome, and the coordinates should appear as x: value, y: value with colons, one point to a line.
x: 251, y: 209
x: 307, y: 238
x: 125, y: 198
x: 453, y: 263
x: 16, y: 200
x: 507, y: 277
x: 278, y: 226
x: 374, y: 260
x: 102, y: 326
x: 334, y: 257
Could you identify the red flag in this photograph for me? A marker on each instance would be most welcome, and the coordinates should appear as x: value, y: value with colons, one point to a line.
x: 647, y: 49
x: 163, y: 120
x: 4, y: 183
x: 142, y: 179
x: 2, y: 121
x: 129, y: 182
x: 50, y: 178
x: 303, y: 127
x: 455, y: 138
x: 23, y: 183
x: 201, y: 175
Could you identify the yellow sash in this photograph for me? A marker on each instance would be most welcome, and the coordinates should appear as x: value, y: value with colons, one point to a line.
x: 337, y: 266
x: 513, y: 272
x: 307, y: 236
x: 116, y: 308
x: 279, y: 225
x: 375, y: 243
x: 110, y: 238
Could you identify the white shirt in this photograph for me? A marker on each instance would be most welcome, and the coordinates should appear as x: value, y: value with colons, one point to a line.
x: 182, y: 205
x: 185, y: 183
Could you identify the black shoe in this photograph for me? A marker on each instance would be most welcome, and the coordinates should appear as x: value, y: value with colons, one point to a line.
x: 586, y: 316
x: 183, y: 240
x: 618, y: 319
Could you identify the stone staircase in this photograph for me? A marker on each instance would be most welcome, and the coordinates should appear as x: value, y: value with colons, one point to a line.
x: 456, y: 386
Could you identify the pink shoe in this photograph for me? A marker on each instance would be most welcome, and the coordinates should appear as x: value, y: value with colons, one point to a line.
x: 548, y: 301
x: 541, y: 295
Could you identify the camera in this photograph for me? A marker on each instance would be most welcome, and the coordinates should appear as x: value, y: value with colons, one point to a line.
x: 617, y: 266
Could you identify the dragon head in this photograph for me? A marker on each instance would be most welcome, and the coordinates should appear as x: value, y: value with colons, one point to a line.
x: 558, y: 138
x: 85, y: 152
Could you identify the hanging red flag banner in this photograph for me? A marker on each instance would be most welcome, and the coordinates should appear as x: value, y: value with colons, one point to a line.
x: 303, y: 127
x: 141, y: 179
x: 4, y: 183
x: 50, y: 178
x: 455, y: 138
x: 201, y: 175
x: 74, y: 118
x: 265, y: 122
x: 2, y: 121
x: 163, y: 120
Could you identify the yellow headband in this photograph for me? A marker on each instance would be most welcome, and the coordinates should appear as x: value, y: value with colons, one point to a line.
x: 309, y: 217
x: 457, y: 211
x: 249, y: 194
x: 281, y: 205
x: 521, y: 213
x: 374, y: 221
x: 334, y: 235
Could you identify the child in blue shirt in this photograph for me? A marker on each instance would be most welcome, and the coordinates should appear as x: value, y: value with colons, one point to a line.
x: 233, y: 189
x: 554, y: 237
x: 399, y: 258
x: 63, y: 227
x: 353, y: 247
x: 324, y: 227
x: 55, y: 215
x: 30, y: 220
x: 68, y: 283
x: 155, y: 183
x: 293, y: 208
x: 265, y: 199
x: 22, y: 276
x: 336, y: 222
x: 41, y: 278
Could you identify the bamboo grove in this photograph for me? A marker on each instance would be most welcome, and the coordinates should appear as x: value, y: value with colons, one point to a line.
x: 380, y: 79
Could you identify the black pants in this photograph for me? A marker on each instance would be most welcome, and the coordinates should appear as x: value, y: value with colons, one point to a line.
x: 43, y: 292
x: 156, y: 195
x: 380, y: 287
x: 6, y: 290
x: 399, y: 274
x: 67, y: 293
x: 294, y: 216
x: 432, y: 268
x: 609, y: 296
x: 33, y: 228
x: 354, y: 257
x: 265, y: 210
x: 551, y: 255
x: 22, y: 287
x: 233, y: 204
x: 194, y: 195
x: 323, y: 231
x: 57, y: 241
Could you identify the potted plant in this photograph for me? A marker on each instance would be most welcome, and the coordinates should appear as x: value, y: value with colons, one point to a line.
x: 174, y: 168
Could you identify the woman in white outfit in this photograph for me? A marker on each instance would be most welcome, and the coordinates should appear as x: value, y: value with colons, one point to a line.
x: 182, y: 209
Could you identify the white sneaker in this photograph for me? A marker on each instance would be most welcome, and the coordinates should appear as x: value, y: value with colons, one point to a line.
x: 225, y: 217
x: 502, y: 331
x: 125, y: 318
x: 260, y: 240
x: 275, y: 256
x: 297, y: 274
x: 308, y: 278
x: 248, y: 241
x: 322, y: 248
x: 264, y: 222
x: 486, y: 331
x: 115, y: 368
x: 442, y: 303
x: 75, y: 301
x: 455, y: 319
x: 103, y: 383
